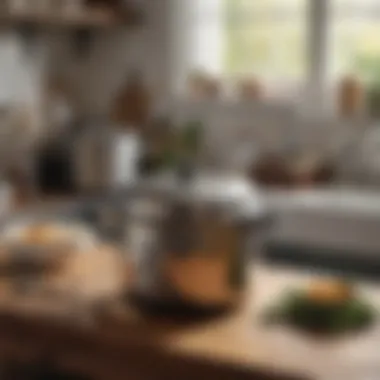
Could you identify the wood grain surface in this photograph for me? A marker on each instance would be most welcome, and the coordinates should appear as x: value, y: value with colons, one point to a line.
x: 112, y: 340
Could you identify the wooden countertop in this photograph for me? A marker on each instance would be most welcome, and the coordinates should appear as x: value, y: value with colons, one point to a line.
x: 241, y: 339
x: 95, y: 334
x: 116, y: 338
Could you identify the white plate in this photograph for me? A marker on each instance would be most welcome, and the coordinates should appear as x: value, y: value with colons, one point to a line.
x: 59, y: 236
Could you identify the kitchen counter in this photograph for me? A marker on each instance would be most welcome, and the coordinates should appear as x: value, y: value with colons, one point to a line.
x: 97, y: 335
x: 113, y: 341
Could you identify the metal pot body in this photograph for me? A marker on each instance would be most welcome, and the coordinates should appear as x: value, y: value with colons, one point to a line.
x: 189, y: 251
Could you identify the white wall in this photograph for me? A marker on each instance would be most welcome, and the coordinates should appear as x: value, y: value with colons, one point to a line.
x: 157, y: 48
x: 20, y: 72
x: 95, y: 76
x: 98, y: 76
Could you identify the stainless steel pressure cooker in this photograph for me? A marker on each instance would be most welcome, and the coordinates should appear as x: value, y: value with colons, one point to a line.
x: 190, y: 240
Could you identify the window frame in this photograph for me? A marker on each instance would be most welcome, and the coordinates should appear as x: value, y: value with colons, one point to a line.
x: 319, y: 29
x: 319, y: 16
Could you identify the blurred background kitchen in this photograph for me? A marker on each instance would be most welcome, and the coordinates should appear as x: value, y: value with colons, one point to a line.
x: 286, y: 92
x: 96, y: 95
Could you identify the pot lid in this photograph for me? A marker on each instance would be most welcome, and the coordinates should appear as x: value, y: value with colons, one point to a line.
x: 233, y: 192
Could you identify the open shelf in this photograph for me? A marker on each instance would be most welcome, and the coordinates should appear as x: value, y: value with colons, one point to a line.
x: 89, y: 18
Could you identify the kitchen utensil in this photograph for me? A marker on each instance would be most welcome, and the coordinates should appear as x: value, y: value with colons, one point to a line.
x: 202, y: 86
x: 250, y: 89
x: 189, y: 240
x: 132, y: 105
x: 350, y: 97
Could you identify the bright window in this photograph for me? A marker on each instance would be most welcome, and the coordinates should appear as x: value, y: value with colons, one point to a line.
x: 356, y: 37
x: 266, y: 38
x: 272, y: 39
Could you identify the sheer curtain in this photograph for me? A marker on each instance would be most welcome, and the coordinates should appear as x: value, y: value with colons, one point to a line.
x: 196, y: 38
x: 207, y: 34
